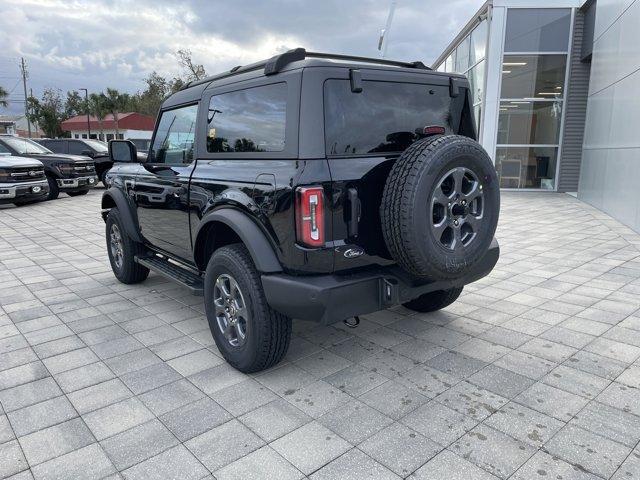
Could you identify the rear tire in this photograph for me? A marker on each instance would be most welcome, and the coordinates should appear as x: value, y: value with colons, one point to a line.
x: 250, y: 335
x: 54, y: 191
x: 122, y: 251
x: 77, y: 194
x: 433, y: 301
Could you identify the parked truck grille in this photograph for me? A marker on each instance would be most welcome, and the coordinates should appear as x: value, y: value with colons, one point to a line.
x: 21, y: 174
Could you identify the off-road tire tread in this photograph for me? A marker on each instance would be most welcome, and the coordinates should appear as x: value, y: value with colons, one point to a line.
x: 275, y: 327
x: 132, y: 272
x: 401, y: 189
x: 434, y: 301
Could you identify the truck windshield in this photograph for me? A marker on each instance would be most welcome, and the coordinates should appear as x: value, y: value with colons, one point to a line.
x: 383, y: 117
x: 25, y: 146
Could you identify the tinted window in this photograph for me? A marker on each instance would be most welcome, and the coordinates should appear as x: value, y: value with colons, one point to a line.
x: 174, y: 140
x: 57, y: 147
x: 537, y: 30
x: 383, y: 117
x: 251, y: 120
x: 76, y: 148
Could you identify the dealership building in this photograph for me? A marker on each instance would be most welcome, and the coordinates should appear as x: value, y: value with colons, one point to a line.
x: 556, y: 94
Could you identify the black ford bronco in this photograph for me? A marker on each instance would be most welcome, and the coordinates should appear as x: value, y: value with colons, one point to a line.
x: 308, y: 186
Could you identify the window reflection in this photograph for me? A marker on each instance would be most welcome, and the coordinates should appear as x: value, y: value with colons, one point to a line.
x: 250, y: 120
x: 384, y: 117
x: 526, y: 167
x: 173, y: 142
x: 533, y: 76
x: 525, y: 122
x: 537, y: 30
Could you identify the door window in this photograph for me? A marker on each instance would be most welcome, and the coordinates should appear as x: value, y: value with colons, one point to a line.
x: 175, y: 136
x: 76, y: 148
x: 250, y: 120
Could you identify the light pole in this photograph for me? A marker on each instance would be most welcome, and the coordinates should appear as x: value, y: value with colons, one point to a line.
x: 86, y: 104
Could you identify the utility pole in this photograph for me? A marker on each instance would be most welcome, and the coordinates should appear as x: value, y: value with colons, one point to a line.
x: 23, y: 67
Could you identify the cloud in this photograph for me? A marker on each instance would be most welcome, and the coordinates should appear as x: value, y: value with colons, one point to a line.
x: 70, y: 44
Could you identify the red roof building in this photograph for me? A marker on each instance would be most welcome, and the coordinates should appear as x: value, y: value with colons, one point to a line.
x: 130, y: 125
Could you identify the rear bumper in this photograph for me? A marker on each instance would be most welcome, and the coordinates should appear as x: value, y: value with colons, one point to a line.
x: 331, y: 298
x: 79, y: 183
x: 11, y: 192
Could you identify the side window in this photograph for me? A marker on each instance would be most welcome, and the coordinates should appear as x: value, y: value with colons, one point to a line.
x: 4, y: 149
x: 76, y: 148
x: 250, y: 120
x: 174, y: 140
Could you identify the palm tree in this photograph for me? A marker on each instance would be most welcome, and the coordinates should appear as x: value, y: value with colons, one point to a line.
x: 116, y: 101
x: 98, y: 107
x: 3, y: 97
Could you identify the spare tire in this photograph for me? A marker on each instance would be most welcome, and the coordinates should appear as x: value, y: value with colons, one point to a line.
x: 440, y: 207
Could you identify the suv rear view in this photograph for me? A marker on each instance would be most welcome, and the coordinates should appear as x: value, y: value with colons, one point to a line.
x: 309, y: 186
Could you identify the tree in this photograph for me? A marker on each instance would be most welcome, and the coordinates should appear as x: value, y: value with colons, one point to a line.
x: 98, y: 107
x: 75, y: 104
x: 194, y: 71
x: 115, y: 103
x: 48, y: 112
x: 3, y: 97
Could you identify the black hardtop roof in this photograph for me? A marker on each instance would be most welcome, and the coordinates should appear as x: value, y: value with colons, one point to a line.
x: 290, y: 60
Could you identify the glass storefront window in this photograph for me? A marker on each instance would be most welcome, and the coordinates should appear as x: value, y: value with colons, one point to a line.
x: 533, y: 76
x: 478, y: 42
x: 526, y: 123
x: 448, y: 64
x: 476, y: 81
x: 527, y: 167
x: 462, y: 55
x: 537, y: 30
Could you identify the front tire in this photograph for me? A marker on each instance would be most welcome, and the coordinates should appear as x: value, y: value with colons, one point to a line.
x: 54, y: 191
x: 250, y: 335
x: 77, y: 194
x: 434, y: 301
x: 122, y: 251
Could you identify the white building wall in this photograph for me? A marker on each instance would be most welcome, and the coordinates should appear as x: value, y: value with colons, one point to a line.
x: 611, y: 155
x: 136, y: 134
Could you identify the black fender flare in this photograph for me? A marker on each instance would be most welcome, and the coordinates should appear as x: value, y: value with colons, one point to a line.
x: 114, y: 197
x: 261, y: 251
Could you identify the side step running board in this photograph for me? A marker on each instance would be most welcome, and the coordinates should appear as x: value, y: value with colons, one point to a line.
x: 170, y: 270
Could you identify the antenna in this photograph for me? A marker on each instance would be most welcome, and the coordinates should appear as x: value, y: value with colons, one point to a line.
x: 383, y: 41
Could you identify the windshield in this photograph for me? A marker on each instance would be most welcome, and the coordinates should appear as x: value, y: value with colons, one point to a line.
x: 25, y: 146
x: 97, y: 145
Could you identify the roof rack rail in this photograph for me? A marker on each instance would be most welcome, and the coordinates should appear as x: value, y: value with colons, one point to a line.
x: 380, y: 61
x: 276, y: 63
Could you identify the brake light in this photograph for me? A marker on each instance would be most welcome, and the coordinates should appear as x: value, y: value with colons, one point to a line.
x: 433, y: 130
x: 310, y: 216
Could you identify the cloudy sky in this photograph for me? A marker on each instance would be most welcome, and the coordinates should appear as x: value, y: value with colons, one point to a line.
x: 70, y: 44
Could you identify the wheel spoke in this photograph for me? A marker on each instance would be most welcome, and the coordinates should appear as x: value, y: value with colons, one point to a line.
x: 440, y: 198
x: 458, y: 176
x: 439, y: 229
x: 473, y: 222
x: 457, y: 238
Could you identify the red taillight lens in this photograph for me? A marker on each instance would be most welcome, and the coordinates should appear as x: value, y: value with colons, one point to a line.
x: 310, y: 216
x: 433, y: 130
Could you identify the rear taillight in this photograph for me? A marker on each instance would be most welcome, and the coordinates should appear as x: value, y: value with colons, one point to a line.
x: 310, y: 216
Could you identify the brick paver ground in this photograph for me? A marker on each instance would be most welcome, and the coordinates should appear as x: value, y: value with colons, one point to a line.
x: 533, y: 374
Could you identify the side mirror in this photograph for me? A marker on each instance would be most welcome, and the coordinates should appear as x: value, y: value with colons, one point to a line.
x: 87, y: 153
x: 123, y: 151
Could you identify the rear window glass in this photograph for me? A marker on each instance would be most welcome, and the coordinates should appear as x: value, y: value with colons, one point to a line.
x: 250, y: 120
x: 383, y: 117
